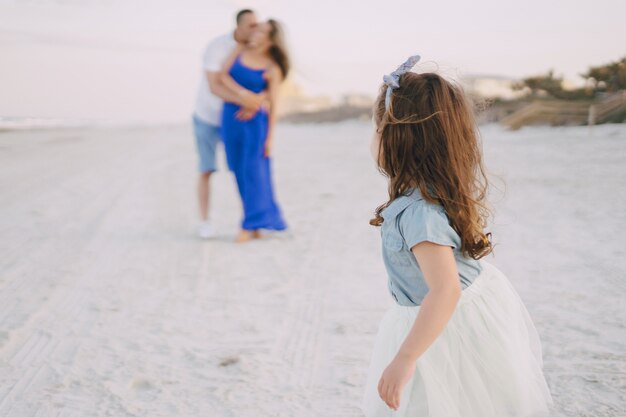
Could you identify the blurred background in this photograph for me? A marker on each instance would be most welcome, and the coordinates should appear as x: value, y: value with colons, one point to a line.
x: 81, y: 60
x: 111, y: 306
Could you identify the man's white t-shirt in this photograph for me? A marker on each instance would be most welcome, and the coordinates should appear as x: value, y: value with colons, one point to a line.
x: 208, y: 105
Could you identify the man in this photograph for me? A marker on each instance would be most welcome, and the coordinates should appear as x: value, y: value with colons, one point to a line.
x: 208, y: 110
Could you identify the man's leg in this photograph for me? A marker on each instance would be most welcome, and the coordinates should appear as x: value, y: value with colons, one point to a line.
x: 204, y: 185
x: 207, y: 137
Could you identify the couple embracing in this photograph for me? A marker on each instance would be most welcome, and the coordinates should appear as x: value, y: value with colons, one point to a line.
x: 237, y: 102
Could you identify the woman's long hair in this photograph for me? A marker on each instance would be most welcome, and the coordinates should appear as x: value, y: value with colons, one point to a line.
x: 278, y: 50
x: 429, y: 140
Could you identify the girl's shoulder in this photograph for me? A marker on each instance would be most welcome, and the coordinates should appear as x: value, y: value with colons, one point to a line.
x: 412, y: 202
x: 422, y: 220
x: 422, y: 211
x: 416, y: 220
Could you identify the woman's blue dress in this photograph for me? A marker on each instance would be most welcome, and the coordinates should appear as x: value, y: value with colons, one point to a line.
x: 244, y: 142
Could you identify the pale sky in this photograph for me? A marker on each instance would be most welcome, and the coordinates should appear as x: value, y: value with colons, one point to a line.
x: 138, y: 60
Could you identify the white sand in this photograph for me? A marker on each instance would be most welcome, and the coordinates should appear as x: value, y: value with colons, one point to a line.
x: 109, y: 306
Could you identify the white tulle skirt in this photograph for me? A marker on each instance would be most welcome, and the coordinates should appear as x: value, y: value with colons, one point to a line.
x: 486, y: 363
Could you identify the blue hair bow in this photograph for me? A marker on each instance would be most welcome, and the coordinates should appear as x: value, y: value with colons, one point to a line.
x: 393, y: 80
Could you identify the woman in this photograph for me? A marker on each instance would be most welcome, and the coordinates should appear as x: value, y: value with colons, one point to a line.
x: 257, y: 68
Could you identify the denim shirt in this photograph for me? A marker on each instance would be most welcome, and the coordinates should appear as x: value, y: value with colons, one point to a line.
x: 409, y: 220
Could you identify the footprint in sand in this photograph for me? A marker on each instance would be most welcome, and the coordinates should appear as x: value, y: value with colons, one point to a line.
x: 144, y: 389
x: 228, y: 361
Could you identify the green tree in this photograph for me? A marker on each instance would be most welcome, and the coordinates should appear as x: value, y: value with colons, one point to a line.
x: 542, y: 84
x: 610, y: 77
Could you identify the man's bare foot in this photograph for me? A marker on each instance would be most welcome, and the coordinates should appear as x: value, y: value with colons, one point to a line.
x: 244, y: 236
x: 256, y: 234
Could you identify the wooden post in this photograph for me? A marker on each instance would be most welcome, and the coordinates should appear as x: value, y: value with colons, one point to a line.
x: 591, y: 117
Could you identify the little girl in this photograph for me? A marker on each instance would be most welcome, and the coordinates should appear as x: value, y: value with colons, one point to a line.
x: 458, y: 341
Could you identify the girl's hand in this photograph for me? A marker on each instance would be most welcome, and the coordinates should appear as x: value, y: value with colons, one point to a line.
x: 268, y: 147
x: 393, y: 380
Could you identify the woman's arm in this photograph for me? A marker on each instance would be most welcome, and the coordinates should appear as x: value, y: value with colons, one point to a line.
x: 274, y: 78
x: 439, y: 267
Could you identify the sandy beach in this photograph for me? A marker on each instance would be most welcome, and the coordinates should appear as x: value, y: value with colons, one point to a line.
x: 110, y: 306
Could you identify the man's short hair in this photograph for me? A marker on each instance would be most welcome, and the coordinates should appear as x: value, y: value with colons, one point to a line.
x: 241, y: 14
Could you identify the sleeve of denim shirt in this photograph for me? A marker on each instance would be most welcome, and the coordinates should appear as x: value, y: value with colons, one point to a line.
x: 424, y: 222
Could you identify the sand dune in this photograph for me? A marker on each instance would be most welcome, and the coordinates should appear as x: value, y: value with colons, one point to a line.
x: 109, y: 305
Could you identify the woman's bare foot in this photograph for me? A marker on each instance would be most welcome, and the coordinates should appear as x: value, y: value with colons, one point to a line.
x: 244, y: 236
x: 256, y: 234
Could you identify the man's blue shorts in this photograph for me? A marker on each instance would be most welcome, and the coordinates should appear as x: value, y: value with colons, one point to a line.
x: 207, y: 138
